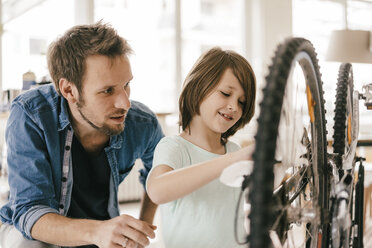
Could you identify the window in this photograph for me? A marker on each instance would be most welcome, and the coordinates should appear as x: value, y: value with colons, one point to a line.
x: 150, y: 27
x: 312, y: 20
x: 26, y: 37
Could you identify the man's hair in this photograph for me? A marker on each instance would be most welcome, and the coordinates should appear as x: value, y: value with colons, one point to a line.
x: 67, y: 55
x: 205, y: 76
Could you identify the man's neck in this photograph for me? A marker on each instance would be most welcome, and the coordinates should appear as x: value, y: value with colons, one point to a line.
x: 94, y: 142
x: 91, y: 139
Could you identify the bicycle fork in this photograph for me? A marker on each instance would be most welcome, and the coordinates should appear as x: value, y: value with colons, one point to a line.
x: 346, y: 222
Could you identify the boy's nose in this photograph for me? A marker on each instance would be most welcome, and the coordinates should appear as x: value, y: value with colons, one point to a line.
x: 232, y: 106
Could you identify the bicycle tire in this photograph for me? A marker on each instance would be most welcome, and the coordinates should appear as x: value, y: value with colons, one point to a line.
x: 261, y: 186
x: 343, y: 128
x: 343, y: 109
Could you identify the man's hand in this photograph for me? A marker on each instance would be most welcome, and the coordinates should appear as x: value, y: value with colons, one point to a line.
x: 121, y: 231
x: 124, y: 231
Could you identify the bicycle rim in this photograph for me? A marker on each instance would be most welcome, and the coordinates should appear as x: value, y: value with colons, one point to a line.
x: 292, y: 136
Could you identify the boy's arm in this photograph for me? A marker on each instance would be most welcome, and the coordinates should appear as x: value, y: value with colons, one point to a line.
x: 148, y: 209
x: 166, y: 184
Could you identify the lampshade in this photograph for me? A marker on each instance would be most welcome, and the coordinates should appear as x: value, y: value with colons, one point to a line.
x: 350, y: 46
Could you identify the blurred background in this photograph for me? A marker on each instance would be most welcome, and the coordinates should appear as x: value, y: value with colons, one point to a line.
x: 168, y: 36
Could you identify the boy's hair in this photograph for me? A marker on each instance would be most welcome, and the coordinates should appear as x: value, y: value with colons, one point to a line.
x: 67, y: 55
x: 206, y: 75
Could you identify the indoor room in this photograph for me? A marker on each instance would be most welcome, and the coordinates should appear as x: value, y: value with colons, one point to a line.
x: 299, y: 128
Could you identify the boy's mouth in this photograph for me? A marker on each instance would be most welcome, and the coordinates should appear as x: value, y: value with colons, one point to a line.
x: 225, y: 116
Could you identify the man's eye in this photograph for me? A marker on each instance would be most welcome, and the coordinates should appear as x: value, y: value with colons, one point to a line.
x: 126, y: 85
x: 108, y: 91
x: 225, y: 94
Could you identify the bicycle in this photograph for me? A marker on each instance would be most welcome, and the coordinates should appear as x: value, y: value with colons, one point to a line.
x: 347, y: 222
x: 300, y: 194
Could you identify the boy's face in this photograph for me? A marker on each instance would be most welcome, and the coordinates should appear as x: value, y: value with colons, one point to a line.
x: 104, y: 101
x: 223, y: 107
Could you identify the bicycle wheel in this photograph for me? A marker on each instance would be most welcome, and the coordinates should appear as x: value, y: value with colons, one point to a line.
x: 344, y: 217
x: 289, y: 184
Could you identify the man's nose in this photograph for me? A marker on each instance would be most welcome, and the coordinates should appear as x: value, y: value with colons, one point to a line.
x: 122, y: 100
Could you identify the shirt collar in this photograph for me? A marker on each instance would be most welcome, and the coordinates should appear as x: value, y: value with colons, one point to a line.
x: 63, y: 117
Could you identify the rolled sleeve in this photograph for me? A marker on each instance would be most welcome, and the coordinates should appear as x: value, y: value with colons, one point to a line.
x: 29, y: 218
x: 32, y: 192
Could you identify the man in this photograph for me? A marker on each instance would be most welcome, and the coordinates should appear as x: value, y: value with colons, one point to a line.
x: 68, y: 150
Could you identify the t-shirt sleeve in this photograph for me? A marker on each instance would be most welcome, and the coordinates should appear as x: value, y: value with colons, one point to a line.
x: 232, y: 146
x: 168, y: 152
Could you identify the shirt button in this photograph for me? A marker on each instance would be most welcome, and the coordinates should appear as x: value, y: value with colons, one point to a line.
x: 64, y: 179
x: 61, y: 206
x: 67, y: 148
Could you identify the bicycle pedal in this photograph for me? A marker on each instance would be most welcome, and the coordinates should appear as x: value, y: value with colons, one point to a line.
x: 358, y: 159
x: 368, y: 105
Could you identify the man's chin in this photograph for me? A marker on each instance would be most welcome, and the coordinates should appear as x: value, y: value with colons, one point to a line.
x: 112, y: 131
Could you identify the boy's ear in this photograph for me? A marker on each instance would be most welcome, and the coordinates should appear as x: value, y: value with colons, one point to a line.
x: 68, y: 90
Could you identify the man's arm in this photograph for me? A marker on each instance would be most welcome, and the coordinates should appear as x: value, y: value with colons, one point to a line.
x: 148, y: 209
x: 60, y: 230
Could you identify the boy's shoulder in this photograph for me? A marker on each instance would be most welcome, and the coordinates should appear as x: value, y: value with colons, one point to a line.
x: 232, y: 146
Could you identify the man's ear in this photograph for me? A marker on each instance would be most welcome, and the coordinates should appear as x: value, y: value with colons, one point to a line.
x: 68, y: 90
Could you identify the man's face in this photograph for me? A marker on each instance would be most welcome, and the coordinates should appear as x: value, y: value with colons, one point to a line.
x: 104, y: 101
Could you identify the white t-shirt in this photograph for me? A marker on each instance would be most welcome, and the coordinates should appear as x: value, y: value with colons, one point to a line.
x: 204, y: 218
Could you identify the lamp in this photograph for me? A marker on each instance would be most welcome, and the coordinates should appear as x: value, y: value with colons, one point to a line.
x: 350, y: 46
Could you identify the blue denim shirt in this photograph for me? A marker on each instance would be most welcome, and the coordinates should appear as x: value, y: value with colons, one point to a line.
x: 39, y: 137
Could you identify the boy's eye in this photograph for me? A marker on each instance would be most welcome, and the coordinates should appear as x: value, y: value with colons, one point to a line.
x: 225, y: 94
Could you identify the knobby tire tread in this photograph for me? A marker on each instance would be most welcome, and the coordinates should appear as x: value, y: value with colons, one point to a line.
x: 339, y: 128
x: 261, y: 188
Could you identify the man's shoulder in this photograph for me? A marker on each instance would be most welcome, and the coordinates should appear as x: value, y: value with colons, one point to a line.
x: 41, y: 98
x: 140, y: 112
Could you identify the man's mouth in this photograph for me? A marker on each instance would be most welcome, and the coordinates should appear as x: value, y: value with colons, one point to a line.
x: 119, y: 118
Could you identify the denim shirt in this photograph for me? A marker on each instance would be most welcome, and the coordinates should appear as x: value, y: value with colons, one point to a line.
x: 39, y: 137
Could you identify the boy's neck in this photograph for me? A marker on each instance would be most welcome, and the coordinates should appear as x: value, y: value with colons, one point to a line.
x: 209, y: 142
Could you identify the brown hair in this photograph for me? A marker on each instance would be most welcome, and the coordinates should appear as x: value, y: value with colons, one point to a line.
x: 67, y: 55
x: 205, y: 76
